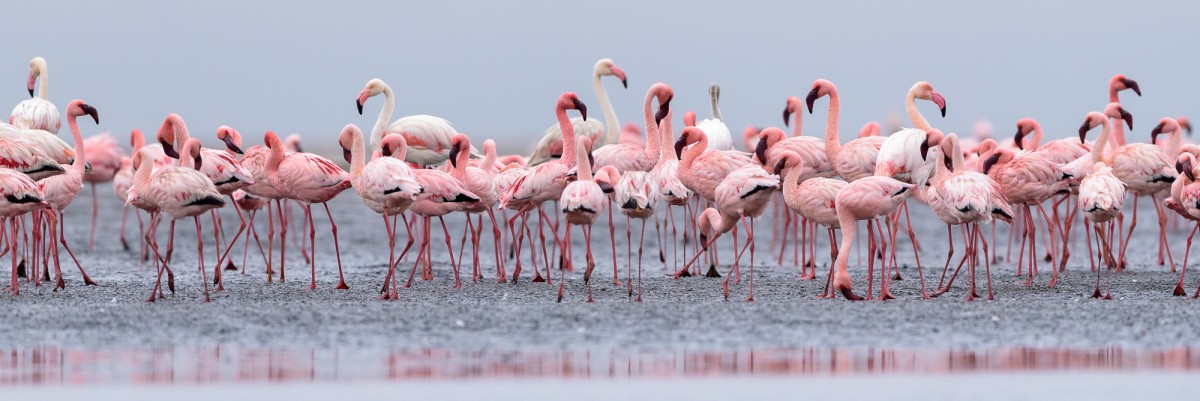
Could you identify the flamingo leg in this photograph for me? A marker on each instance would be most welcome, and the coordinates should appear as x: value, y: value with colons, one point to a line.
x: 62, y: 238
x: 1179, y: 292
x: 1162, y: 232
x: 200, y: 254
x: 641, y: 243
x: 14, y: 287
x: 591, y: 262
x: 337, y: 249
x: 283, y: 223
x: 240, y: 231
x: 949, y: 255
x: 498, y: 237
x: 1128, y: 237
x: 612, y: 237
x: 563, y: 272
x: 750, y: 240
x: 628, y: 257
x: 307, y: 223
x: 453, y: 263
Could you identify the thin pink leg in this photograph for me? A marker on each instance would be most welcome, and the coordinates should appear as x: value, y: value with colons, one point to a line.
x: 62, y: 237
x: 200, y: 254
x: 337, y: 249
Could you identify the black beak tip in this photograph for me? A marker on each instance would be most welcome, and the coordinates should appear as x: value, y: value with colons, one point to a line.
x: 30, y: 92
x: 811, y: 98
x: 786, y: 114
x: 359, y: 105
x: 625, y: 84
x: 169, y: 150
x: 943, y: 109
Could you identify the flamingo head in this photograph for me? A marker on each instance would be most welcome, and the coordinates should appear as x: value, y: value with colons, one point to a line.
x: 459, y: 143
x: 1185, y: 123
x: 869, y: 129
x: 78, y: 108
x: 714, y: 91
x: 231, y: 138
x: 606, y: 67
x: 166, y: 134
x: 820, y: 88
x: 793, y: 104
x: 766, y: 139
x: 1024, y: 127
x: 704, y: 224
x: 690, y: 135
x: 664, y: 94
x: 1114, y: 110
x: 924, y: 91
x: 933, y: 138
x: 1166, y: 124
x: 374, y: 87
x: 36, y: 65
x: 787, y: 161
x: 999, y: 156
x: 292, y: 143
x: 394, y: 145
x: 570, y: 101
x: 606, y: 177
x: 948, y: 147
x: 689, y: 118
x: 1120, y: 82
x: 346, y: 141
x: 1184, y: 164
x: 191, y: 149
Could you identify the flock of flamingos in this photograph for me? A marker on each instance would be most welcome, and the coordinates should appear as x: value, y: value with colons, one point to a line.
x: 419, y: 167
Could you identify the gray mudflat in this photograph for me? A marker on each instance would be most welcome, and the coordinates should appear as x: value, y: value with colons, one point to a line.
x: 687, y: 313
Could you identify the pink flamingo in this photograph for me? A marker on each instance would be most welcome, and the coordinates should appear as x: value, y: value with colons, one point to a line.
x: 630, y: 157
x: 814, y: 199
x: 701, y: 169
x: 550, y: 146
x: 104, y: 156
x: 255, y: 161
x: 544, y: 182
x: 631, y: 134
x: 719, y: 137
x: 869, y: 129
x: 292, y: 143
x: 636, y: 194
x: 25, y: 157
x: 60, y: 190
x: 855, y: 159
x: 868, y: 199
x: 251, y: 205
x: 21, y: 196
x: 668, y: 187
x: 1101, y: 194
x: 428, y: 137
x: 582, y: 202
x: 48, y: 142
x: 1185, y: 200
x: 307, y: 178
x: 744, y: 194
x: 1147, y: 170
x: 1061, y: 151
x: 180, y: 191
x: 385, y: 184
x: 441, y: 194
x: 479, y: 181
x: 962, y: 197
x: 750, y: 137
x: 607, y: 177
x: 1028, y: 179
x: 37, y: 112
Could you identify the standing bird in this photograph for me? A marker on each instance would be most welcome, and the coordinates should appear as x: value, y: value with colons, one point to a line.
x: 1185, y: 200
x: 37, y: 112
x: 635, y: 193
x: 744, y: 194
x: 550, y: 147
x: 631, y: 157
x: 104, y: 156
x: 428, y: 137
x: 1148, y: 170
x: 1101, y: 194
x: 582, y: 202
x: 181, y: 192
x: 868, y: 199
x: 719, y: 137
x: 814, y: 199
x: 60, y: 190
x: 1029, y: 179
x: 856, y: 159
x: 479, y: 181
x: 21, y: 196
x: 385, y: 184
x: 307, y: 178
x: 23, y: 156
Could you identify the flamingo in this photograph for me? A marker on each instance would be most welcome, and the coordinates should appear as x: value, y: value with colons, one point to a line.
x: 550, y: 146
x: 123, y: 179
x: 868, y: 199
x: 254, y: 160
x: 104, y: 156
x: 442, y: 194
x: 636, y: 194
x: 478, y: 180
x: 37, y: 112
x: 814, y: 199
x: 1060, y: 151
x: 21, y: 196
x: 292, y: 143
x: 250, y: 204
x: 1147, y: 170
x: 868, y: 130
x: 60, y: 191
x: 963, y: 197
x: 631, y: 133
x: 666, y: 181
x: 607, y: 177
x: 544, y: 182
x: 750, y: 137
x: 855, y: 159
x: 719, y: 137
x: 582, y: 202
x: 631, y: 157
x: 428, y: 137
x: 700, y: 169
x: 48, y: 142
x: 1028, y: 179
x: 307, y: 178
x: 25, y: 157
x: 180, y: 191
x: 385, y: 184
x: 1185, y: 199
x: 1101, y: 193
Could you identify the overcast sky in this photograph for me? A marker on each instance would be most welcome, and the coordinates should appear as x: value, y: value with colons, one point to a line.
x: 494, y: 69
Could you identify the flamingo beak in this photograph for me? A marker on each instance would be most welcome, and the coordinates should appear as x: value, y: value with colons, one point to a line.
x: 925, y: 150
x: 1127, y: 117
x: 347, y: 155
x: 32, y: 80
x: 91, y: 111
x: 787, y: 112
x: 779, y: 166
x: 760, y: 150
x: 581, y: 107
x: 169, y: 149
x: 991, y: 161
x: 605, y: 187
x: 940, y: 102
x: 812, y: 98
x: 1187, y: 125
x: 680, y: 143
x: 1019, y: 138
x: 232, y: 146
x: 1131, y: 84
x: 454, y: 155
x: 1083, y: 129
x: 1154, y: 132
x: 199, y: 161
x: 362, y: 99
x: 620, y: 74
x: 663, y: 109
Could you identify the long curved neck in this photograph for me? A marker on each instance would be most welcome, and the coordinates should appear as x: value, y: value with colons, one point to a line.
x: 797, y: 123
x: 612, y: 125
x: 910, y: 106
x: 137, y: 140
x: 848, y: 226
x: 385, y: 115
x: 1173, y: 143
x: 833, y: 144
x: 1118, y: 132
x: 1102, y: 141
x: 78, y: 164
x: 357, y: 156
x: 488, y: 164
x: 653, y: 138
x: 44, y: 84
x: 690, y: 154
x: 716, y: 109
x: 956, y: 157
x: 274, y: 158
x: 146, y: 168
x: 1037, y: 138
x: 665, y: 151
x: 460, y: 164
x: 181, y: 133
x: 585, y: 167
x: 568, y: 136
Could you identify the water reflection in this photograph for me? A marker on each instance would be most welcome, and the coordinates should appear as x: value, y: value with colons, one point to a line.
x: 51, y: 365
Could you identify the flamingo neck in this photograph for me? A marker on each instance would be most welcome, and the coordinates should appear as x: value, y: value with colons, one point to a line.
x: 136, y: 140
x: 568, y: 137
x: 910, y: 106
x: 1036, y: 139
x: 585, y: 166
x: 78, y: 165
x: 1118, y: 132
x: 1174, y: 142
x: 612, y: 125
x: 44, y: 83
x: 848, y: 227
x: 181, y: 134
x: 690, y: 154
x: 460, y: 163
x: 385, y: 115
x: 186, y: 158
x: 1102, y: 141
x: 274, y: 158
x: 956, y: 156
x: 665, y: 152
x: 716, y: 109
x: 653, y: 138
x: 833, y: 143
x: 797, y: 123
x: 141, y: 176
x: 357, y: 156
x: 488, y: 164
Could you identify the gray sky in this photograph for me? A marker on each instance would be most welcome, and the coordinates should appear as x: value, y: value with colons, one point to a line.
x: 495, y: 69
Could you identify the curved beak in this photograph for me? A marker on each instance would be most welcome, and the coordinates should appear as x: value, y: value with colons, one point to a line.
x: 454, y: 148
x: 169, y: 149
x: 1083, y: 129
x: 232, y: 146
x: 1019, y: 139
x: 1187, y: 125
x: 787, y: 112
x: 199, y: 161
x: 362, y: 99
x: 620, y: 74
x: 1186, y: 169
x: 346, y: 154
x: 581, y: 107
x: 991, y: 161
x: 1127, y: 117
x: 925, y: 150
x: 605, y: 187
x: 812, y: 98
x: 32, y: 80
x: 760, y: 150
x: 679, y: 144
x: 91, y: 111
x: 1131, y: 84
x: 663, y: 109
x: 779, y: 166
x: 1154, y: 133
x: 940, y: 102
